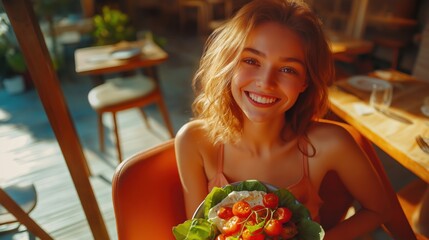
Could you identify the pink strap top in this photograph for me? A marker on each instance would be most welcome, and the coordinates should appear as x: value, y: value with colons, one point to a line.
x: 303, y: 190
x: 219, y: 179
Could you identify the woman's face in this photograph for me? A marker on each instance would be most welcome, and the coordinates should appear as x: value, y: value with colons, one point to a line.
x: 271, y: 73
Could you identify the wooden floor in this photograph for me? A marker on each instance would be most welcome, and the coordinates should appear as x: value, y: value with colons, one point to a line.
x: 29, y: 150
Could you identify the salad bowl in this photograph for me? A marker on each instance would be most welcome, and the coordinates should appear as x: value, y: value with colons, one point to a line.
x: 206, y: 222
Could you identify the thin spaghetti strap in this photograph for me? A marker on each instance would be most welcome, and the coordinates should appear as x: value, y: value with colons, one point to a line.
x: 305, y: 159
x: 220, y: 159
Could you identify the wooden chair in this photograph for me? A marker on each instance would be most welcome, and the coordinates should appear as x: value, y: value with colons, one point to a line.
x: 410, y: 198
x: 123, y: 93
x: 205, y: 10
x: 148, y: 200
x: 16, y: 203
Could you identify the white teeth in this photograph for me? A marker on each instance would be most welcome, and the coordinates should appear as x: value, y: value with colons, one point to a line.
x: 262, y: 100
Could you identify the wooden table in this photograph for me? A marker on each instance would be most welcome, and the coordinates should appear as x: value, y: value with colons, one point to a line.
x: 394, y: 137
x: 97, y: 61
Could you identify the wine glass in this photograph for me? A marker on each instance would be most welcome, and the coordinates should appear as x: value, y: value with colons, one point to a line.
x: 381, y: 96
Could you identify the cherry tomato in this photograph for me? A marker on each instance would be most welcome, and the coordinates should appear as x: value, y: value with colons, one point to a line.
x: 273, y: 228
x: 247, y: 235
x: 241, y: 209
x: 259, y: 213
x: 289, y: 231
x: 282, y: 214
x: 225, y: 213
x: 270, y: 200
x: 232, y: 226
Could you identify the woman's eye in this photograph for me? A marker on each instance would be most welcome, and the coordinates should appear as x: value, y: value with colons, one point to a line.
x: 250, y: 61
x: 288, y: 70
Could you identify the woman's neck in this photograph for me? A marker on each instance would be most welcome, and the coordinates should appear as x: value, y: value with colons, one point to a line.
x: 259, y: 137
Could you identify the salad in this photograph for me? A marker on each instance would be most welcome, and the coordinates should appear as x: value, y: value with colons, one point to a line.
x: 249, y: 210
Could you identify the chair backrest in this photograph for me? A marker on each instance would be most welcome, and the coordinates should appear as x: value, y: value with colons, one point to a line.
x: 148, y: 200
x: 147, y: 194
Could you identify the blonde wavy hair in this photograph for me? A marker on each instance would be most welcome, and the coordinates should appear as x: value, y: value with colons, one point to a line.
x: 212, y: 82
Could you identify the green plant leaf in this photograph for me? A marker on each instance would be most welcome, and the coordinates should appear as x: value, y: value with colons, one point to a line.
x: 15, y: 60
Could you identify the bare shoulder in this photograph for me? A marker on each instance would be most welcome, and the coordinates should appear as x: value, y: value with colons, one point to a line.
x: 191, y: 131
x: 191, y: 135
x: 334, y: 141
x: 331, y: 132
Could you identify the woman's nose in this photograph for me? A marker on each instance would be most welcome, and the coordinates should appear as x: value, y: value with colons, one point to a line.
x: 266, y: 79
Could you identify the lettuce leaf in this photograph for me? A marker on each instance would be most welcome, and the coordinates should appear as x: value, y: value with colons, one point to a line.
x: 214, y: 197
x: 195, y: 229
x: 250, y: 185
x: 309, y: 230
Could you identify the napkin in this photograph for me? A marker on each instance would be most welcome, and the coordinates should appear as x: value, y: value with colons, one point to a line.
x: 363, y: 109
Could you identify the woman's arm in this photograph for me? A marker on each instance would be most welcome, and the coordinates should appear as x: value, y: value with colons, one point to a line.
x: 191, y: 166
x: 361, y: 179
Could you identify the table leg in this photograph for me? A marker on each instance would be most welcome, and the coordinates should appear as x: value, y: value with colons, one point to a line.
x: 97, y: 80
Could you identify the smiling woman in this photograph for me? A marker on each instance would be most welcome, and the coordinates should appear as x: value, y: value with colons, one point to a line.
x: 261, y: 87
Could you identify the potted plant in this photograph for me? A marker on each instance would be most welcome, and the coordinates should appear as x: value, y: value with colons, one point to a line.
x: 112, y: 26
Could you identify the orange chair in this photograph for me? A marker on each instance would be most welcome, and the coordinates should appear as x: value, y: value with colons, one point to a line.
x: 148, y: 201
x: 147, y: 194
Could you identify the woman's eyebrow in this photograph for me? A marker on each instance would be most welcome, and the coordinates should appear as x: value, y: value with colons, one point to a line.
x: 254, y: 51
x: 292, y: 59
x: 284, y: 59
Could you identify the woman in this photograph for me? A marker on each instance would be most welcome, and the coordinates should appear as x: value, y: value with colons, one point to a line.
x: 261, y: 87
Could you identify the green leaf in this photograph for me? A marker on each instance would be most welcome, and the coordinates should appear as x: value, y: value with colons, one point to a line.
x: 201, y: 229
x: 299, y: 211
x: 286, y: 198
x: 195, y: 229
x: 256, y: 227
x: 180, y: 231
x: 251, y: 185
x: 213, y: 198
x: 309, y: 230
x: 16, y: 61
